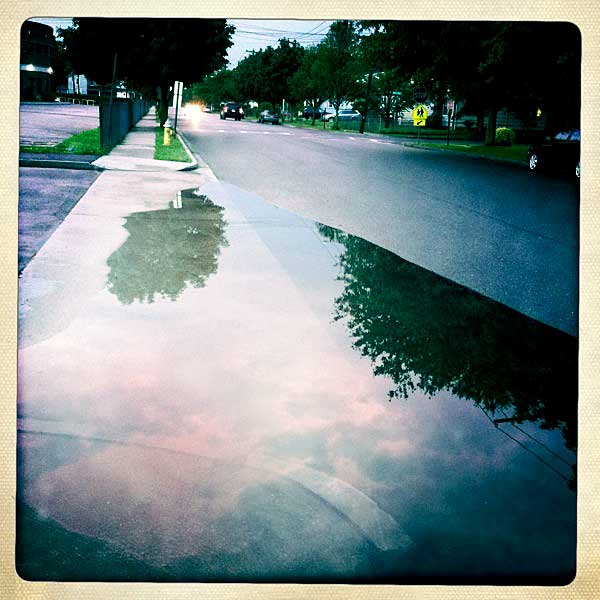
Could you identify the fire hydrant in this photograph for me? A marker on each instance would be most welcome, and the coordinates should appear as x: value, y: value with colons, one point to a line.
x: 168, y: 133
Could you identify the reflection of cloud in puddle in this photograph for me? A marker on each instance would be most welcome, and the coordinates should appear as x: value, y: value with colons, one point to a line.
x: 164, y: 507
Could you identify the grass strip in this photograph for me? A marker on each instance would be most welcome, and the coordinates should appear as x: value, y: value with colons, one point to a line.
x: 175, y: 151
x: 517, y: 152
x: 85, y: 142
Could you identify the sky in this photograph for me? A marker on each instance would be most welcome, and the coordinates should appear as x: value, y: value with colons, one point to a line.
x: 251, y: 34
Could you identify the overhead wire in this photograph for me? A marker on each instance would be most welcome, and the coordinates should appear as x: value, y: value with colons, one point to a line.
x: 524, y: 446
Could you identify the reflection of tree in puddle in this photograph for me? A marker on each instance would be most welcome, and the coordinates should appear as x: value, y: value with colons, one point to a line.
x: 167, y: 250
x: 423, y: 330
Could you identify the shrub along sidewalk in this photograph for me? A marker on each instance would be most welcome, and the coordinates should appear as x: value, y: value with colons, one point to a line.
x: 86, y: 142
x: 175, y: 151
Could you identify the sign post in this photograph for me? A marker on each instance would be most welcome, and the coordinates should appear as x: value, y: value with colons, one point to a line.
x: 177, y: 93
x: 450, y: 105
x: 419, y: 114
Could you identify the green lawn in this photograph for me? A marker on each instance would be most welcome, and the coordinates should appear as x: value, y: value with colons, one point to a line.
x: 517, y: 152
x: 425, y: 132
x: 175, y: 151
x: 86, y: 142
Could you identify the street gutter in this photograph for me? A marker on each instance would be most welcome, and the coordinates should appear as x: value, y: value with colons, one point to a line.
x: 497, y: 159
x: 59, y: 164
x: 194, y: 162
x: 57, y: 161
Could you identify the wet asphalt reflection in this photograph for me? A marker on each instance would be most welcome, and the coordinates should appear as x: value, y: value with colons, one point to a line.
x: 253, y: 396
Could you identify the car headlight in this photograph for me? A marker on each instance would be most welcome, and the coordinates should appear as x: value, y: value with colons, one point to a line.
x: 241, y: 111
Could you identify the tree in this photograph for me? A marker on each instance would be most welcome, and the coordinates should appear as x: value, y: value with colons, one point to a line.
x: 149, y: 53
x: 308, y: 83
x: 265, y: 76
x: 213, y: 89
x: 485, y: 64
x: 285, y: 61
x: 394, y: 94
x: 336, y: 59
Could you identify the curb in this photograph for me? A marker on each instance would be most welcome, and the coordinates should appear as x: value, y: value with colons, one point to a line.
x: 504, y: 161
x: 194, y: 163
x: 59, y: 164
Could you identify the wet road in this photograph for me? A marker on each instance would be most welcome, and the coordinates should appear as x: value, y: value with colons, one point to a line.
x: 496, y: 229
x: 50, y: 123
x: 215, y: 389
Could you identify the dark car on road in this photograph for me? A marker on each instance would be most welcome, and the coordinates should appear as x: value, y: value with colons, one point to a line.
x: 267, y: 116
x: 560, y: 153
x: 232, y: 110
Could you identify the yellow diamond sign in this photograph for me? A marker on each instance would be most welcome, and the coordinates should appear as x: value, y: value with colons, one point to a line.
x: 420, y: 114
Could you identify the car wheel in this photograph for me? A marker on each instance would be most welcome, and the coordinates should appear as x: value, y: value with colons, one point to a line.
x: 578, y: 170
x: 534, y: 163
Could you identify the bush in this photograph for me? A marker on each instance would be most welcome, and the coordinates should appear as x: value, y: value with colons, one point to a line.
x: 505, y: 136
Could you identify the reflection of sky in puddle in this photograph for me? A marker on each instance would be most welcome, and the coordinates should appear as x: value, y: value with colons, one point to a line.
x: 255, y: 441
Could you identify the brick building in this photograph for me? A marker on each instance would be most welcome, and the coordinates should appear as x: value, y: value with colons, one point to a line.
x: 37, y: 56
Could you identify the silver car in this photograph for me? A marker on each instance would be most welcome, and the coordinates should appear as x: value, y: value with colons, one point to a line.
x: 345, y: 114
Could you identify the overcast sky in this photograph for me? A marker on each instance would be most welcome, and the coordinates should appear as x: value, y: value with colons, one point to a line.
x: 251, y: 34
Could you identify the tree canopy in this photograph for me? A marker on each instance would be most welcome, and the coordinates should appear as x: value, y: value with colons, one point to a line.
x: 150, y: 53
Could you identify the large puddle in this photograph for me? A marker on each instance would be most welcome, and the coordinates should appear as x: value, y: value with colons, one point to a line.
x: 253, y: 396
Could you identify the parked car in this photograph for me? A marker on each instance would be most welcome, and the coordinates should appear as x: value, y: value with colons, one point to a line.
x: 308, y: 112
x: 345, y: 114
x: 561, y: 153
x: 267, y: 116
x: 233, y: 110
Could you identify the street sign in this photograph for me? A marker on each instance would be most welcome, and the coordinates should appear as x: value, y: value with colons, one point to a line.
x: 420, y: 94
x: 451, y: 105
x: 420, y: 115
x: 420, y: 112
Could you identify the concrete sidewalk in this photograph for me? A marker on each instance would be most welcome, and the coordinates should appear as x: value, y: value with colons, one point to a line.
x: 136, y: 151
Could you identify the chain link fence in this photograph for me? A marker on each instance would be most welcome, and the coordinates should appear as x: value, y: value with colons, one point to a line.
x: 118, y: 118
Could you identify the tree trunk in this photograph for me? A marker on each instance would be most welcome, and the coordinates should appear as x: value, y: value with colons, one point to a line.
x: 480, y: 126
x: 163, y: 103
x: 490, y: 134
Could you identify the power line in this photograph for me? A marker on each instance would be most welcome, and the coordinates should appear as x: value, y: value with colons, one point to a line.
x: 280, y: 34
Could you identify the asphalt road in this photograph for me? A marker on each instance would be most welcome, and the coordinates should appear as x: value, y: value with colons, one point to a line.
x: 46, y: 196
x: 495, y: 228
x: 52, y: 122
